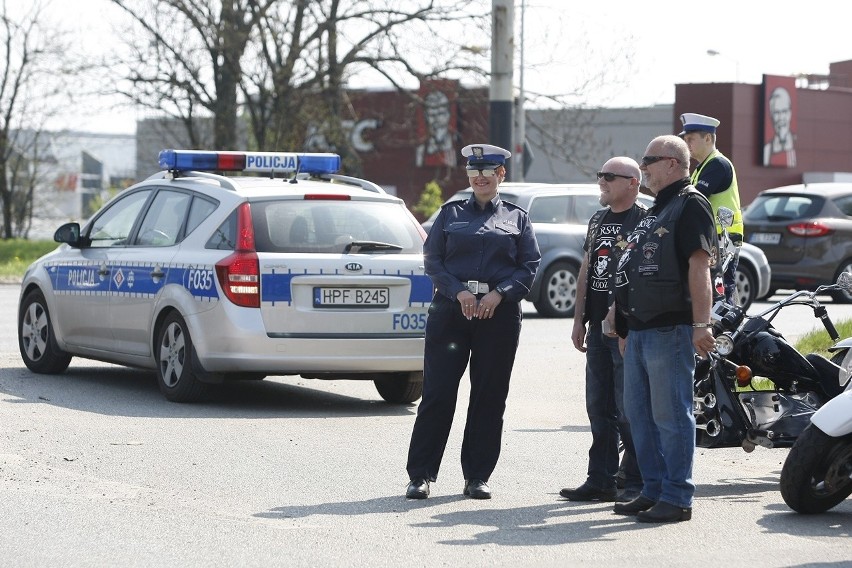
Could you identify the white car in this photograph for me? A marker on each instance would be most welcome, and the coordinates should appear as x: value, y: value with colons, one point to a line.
x: 207, y: 278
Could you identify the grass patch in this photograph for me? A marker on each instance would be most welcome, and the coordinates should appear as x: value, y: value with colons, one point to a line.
x: 17, y: 254
x: 819, y: 342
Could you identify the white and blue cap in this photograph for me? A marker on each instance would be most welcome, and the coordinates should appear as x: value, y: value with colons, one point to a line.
x: 698, y: 123
x: 483, y: 155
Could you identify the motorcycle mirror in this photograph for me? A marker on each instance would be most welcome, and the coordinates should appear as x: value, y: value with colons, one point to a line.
x: 726, y: 216
x: 844, y: 280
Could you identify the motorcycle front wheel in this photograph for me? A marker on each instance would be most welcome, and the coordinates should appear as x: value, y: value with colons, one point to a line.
x: 817, y: 474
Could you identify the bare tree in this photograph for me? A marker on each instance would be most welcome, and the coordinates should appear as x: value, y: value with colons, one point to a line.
x: 33, y: 61
x: 308, y: 53
x: 284, y: 63
x: 186, y: 57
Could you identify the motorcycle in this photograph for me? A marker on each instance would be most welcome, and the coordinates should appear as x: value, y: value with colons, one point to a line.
x: 735, y: 404
x: 817, y: 474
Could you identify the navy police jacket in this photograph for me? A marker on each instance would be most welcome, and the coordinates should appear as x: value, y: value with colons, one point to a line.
x: 495, y: 245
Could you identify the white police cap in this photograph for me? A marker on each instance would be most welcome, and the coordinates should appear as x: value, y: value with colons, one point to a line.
x: 697, y: 122
x: 485, y: 154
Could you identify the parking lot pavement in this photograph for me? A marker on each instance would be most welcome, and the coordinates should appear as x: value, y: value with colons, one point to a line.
x: 96, y: 468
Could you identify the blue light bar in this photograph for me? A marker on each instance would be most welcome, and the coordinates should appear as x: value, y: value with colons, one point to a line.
x: 261, y: 162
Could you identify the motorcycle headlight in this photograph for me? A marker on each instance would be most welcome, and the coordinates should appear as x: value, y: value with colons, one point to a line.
x: 724, y: 345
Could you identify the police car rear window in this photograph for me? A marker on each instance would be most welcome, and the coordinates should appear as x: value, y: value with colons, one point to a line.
x: 332, y: 226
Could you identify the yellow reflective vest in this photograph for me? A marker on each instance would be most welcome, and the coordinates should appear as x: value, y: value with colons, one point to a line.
x: 729, y: 198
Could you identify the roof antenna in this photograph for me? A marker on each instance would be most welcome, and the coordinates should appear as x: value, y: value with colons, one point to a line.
x: 296, y: 174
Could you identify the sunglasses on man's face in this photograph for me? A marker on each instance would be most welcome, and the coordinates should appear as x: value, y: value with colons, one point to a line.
x: 485, y: 172
x: 609, y: 176
x: 648, y: 160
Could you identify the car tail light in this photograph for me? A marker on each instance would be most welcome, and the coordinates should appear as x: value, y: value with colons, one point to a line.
x: 239, y: 273
x: 809, y: 229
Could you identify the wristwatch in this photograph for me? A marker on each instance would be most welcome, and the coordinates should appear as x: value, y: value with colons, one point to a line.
x: 501, y: 291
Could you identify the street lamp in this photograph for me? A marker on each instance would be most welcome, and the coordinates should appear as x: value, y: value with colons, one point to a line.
x: 713, y: 53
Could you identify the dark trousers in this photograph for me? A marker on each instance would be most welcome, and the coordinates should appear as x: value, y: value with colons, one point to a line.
x: 451, y: 341
x: 605, y: 407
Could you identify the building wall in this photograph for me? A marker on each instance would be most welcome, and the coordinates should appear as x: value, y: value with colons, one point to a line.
x: 823, y: 141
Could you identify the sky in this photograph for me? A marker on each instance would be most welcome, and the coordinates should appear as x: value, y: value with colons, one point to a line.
x: 630, y: 53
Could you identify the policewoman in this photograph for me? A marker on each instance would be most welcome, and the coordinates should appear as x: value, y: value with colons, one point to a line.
x: 481, y: 255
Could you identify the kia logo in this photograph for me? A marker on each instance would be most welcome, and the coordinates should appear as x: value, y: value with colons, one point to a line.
x: 353, y: 267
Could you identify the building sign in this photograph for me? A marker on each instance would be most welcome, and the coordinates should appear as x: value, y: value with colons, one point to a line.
x: 437, y: 124
x: 779, y: 121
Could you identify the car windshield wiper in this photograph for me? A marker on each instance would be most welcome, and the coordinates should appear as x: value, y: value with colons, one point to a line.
x: 361, y: 246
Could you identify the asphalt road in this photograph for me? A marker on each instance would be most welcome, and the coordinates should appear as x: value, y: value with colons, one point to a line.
x: 97, y: 469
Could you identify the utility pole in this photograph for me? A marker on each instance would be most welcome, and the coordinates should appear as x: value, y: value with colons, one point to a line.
x: 500, y: 94
x: 518, y: 155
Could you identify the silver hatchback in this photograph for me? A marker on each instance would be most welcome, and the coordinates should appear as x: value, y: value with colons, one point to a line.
x: 207, y: 278
x: 560, y: 214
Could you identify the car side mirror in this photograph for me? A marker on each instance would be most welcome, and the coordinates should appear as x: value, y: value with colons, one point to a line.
x: 69, y: 233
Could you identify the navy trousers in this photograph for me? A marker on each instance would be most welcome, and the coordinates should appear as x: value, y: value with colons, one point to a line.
x: 451, y: 342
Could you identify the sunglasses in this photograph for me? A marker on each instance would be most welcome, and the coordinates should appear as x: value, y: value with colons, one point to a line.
x: 648, y: 160
x: 609, y: 176
x: 485, y: 172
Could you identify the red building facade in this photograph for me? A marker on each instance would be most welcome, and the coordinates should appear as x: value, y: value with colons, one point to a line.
x: 822, y: 127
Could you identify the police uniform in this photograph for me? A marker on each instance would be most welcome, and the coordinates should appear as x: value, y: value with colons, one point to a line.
x: 478, y: 249
x: 716, y: 178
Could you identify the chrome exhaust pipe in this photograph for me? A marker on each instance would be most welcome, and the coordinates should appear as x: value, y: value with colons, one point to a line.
x: 707, y: 402
x: 712, y: 428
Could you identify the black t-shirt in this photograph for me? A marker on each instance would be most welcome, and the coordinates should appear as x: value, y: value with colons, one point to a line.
x: 609, y: 242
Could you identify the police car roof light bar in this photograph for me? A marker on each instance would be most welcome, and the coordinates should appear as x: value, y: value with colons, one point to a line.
x: 259, y: 162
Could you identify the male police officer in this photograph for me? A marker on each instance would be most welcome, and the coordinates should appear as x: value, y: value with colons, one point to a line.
x: 714, y: 176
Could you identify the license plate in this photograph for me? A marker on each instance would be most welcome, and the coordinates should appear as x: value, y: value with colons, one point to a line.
x: 325, y: 297
x: 764, y: 238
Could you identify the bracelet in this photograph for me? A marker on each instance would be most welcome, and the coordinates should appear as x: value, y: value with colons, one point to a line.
x: 700, y: 325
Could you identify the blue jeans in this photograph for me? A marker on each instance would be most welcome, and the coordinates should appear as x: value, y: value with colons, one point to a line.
x: 605, y: 407
x: 659, y: 365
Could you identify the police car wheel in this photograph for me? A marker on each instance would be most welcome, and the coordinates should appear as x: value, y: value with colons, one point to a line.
x: 400, y: 388
x: 175, y: 375
x: 39, y: 350
x: 558, y: 294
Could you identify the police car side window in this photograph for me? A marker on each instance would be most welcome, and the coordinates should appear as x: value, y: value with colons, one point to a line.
x: 112, y: 228
x: 199, y: 210
x: 164, y: 219
x: 225, y: 235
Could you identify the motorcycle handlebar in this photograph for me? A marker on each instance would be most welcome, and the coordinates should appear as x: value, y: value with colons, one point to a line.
x: 822, y: 314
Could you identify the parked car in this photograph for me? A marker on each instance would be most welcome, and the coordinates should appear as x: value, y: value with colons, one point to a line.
x: 205, y: 278
x: 560, y: 214
x: 805, y: 230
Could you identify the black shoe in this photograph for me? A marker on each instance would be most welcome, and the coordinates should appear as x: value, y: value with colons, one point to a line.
x: 476, y: 489
x: 634, y: 507
x: 664, y: 512
x: 418, y: 488
x: 588, y: 493
x: 627, y: 495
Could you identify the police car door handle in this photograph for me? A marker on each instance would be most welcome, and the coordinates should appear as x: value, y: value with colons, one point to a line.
x: 157, y: 272
x: 103, y: 270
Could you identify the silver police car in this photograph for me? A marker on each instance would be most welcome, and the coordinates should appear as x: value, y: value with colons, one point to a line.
x: 207, y: 278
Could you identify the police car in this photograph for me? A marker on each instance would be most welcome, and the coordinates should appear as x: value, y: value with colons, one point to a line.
x: 207, y: 278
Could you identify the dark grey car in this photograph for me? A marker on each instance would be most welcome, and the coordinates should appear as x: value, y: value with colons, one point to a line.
x: 805, y: 231
x: 560, y: 214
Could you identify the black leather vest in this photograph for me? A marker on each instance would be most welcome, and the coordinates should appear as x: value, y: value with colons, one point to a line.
x: 650, y: 280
